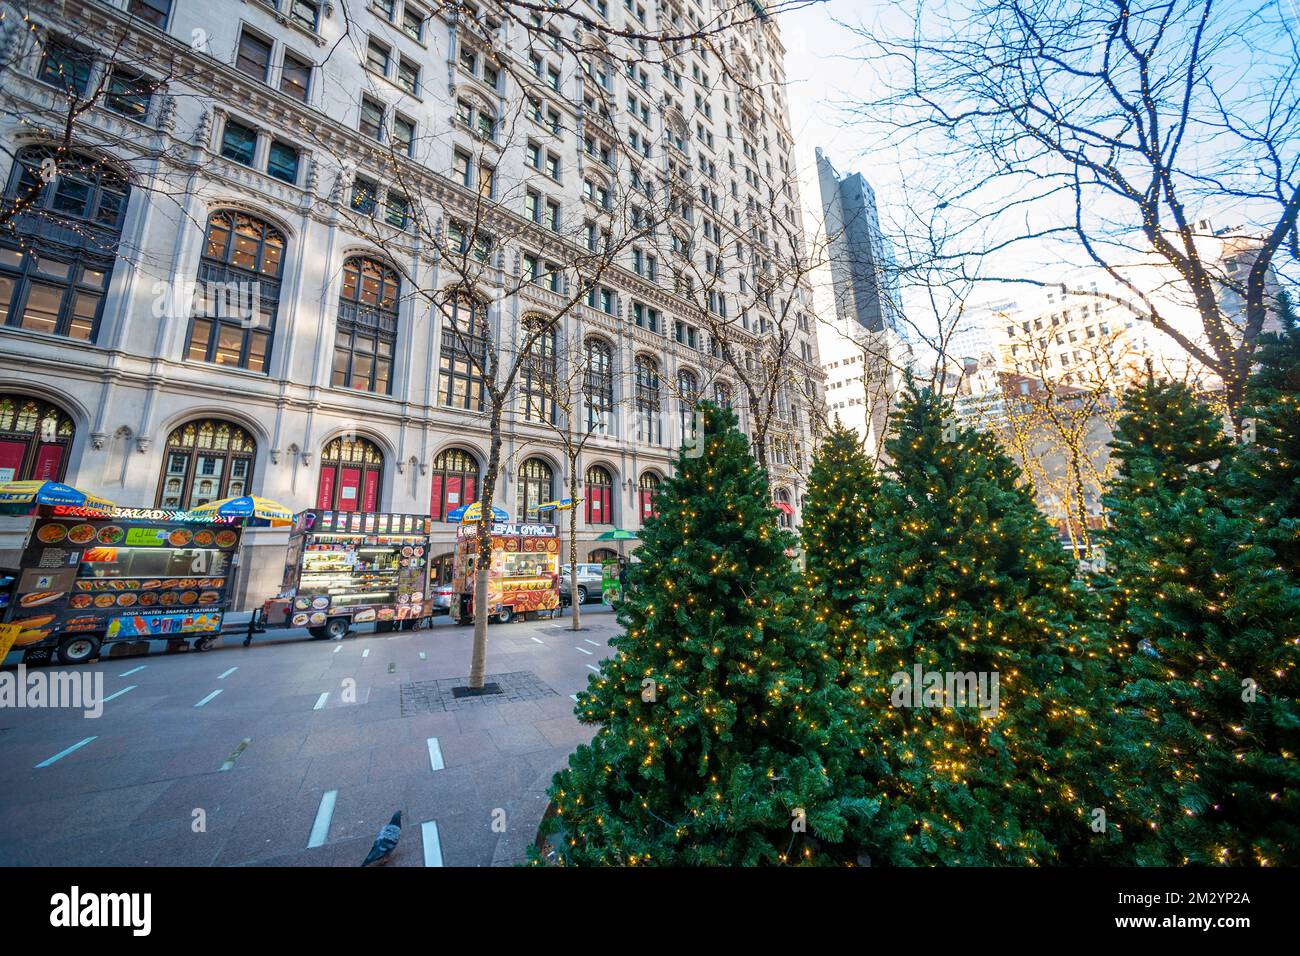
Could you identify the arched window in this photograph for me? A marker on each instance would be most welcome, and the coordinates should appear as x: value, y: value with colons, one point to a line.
x: 367, y: 326
x: 722, y: 394
x: 535, y: 488
x: 600, y: 496
x: 598, y: 385
x: 688, y: 393
x: 351, y: 473
x: 206, y: 460
x: 34, y: 439
x: 538, y: 373
x: 647, y: 488
x: 455, y: 482
x: 463, y: 354
x: 784, y: 510
x: 239, y: 292
x: 647, y: 400
x: 57, y: 250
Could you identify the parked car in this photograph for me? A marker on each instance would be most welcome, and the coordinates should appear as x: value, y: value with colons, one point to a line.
x: 443, y: 595
x: 590, y: 577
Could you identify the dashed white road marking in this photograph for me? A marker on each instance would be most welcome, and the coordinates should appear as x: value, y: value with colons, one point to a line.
x: 584, y: 650
x: 227, y: 673
x: 63, y: 753
x: 320, y: 830
x: 435, y: 754
x: 537, y: 639
x: 575, y: 697
x: 432, y: 846
x: 591, y: 642
x: 120, y: 693
x: 593, y: 667
x: 423, y: 656
x: 366, y: 652
x: 208, y: 698
x: 339, y: 648
x: 320, y: 701
x: 133, y: 670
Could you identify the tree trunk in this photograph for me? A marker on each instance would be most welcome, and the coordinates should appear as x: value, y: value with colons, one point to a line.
x: 478, y: 662
x: 574, y: 604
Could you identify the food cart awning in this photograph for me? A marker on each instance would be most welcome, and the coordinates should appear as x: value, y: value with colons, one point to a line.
x: 27, y: 493
x: 251, y: 508
x: 472, y: 512
x: 785, y: 506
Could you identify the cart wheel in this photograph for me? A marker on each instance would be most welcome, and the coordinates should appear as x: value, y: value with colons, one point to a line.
x: 506, y: 615
x: 336, y: 627
x: 78, y: 650
x: 317, y: 632
x: 204, y: 643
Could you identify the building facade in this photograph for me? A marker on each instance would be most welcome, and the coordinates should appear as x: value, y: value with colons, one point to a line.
x: 275, y: 154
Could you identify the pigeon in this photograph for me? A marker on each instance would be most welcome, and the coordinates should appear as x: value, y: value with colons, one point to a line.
x: 386, y: 842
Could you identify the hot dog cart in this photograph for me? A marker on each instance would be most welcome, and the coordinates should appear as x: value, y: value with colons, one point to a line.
x: 525, y: 574
x: 90, y: 577
x: 350, y: 567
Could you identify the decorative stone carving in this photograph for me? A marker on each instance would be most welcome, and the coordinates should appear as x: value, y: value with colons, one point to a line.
x: 142, y: 443
x: 97, y: 440
x: 275, y: 456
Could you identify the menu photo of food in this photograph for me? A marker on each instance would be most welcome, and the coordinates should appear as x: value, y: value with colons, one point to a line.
x: 51, y: 533
x: 40, y: 598
x: 81, y: 534
x: 110, y: 535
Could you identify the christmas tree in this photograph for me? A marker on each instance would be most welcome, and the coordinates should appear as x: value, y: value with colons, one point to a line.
x: 1207, y: 728
x: 977, y: 707
x: 837, y: 516
x: 719, y: 739
x: 1266, y: 476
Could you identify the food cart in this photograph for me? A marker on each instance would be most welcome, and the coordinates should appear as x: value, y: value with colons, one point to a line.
x: 525, y: 574
x: 90, y: 577
x: 351, y: 567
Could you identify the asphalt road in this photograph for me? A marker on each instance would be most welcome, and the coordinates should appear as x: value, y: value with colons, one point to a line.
x: 295, y: 751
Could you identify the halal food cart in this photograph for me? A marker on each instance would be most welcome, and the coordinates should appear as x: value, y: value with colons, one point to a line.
x: 91, y: 576
x: 525, y: 574
x: 350, y: 567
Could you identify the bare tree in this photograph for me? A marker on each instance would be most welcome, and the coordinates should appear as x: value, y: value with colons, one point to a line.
x: 1100, y: 127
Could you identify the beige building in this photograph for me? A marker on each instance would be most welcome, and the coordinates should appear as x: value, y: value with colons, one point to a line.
x: 230, y: 147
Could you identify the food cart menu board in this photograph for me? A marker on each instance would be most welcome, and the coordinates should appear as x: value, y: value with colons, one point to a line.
x: 124, y: 574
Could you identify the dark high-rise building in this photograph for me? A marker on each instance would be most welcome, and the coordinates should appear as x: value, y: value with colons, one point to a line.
x: 862, y: 259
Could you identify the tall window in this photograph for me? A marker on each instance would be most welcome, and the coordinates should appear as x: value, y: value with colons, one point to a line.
x: 688, y: 393
x: 647, y: 400
x: 598, y: 386
x: 351, y: 472
x: 57, y: 252
x: 154, y: 11
x: 34, y: 439
x: 463, y: 355
x: 647, y: 488
x: 205, y: 460
x: 784, y: 510
x: 239, y: 284
x: 600, y: 496
x: 367, y: 326
x: 538, y: 372
x: 535, y: 488
x: 722, y: 394
x: 455, y: 482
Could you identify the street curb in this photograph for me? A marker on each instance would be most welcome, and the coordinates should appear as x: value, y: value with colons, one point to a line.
x: 525, y: 815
